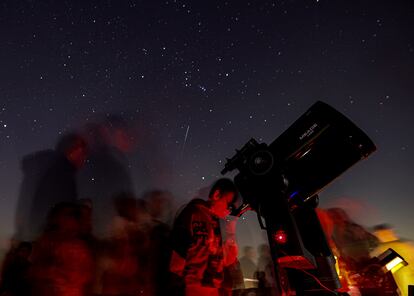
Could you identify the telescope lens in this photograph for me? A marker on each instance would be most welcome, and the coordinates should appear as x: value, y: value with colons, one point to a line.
x: 261, y: 163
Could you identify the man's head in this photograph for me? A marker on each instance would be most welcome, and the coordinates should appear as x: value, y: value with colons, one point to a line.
x: 222, y: 196
x: 385, y: 233
x: 75, y: 149
x: 64, y: 217
x: 249, y: 252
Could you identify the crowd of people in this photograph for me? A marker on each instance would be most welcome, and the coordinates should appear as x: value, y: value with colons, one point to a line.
x: 67, y: 259
x: 143, y: 254
x: 57, y: 250
x: 105, y: 245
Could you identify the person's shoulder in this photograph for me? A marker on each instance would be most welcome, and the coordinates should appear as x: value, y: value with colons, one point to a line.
x: 195, y: 208
x: 196, y: 205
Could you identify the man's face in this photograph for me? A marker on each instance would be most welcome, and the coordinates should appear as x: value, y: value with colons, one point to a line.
x: 221, y: 203
x: 77, y: 155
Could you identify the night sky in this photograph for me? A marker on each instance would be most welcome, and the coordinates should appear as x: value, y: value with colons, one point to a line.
x: 193, y: 80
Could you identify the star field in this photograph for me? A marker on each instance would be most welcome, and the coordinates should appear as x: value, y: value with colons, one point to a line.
x: 193, y: 80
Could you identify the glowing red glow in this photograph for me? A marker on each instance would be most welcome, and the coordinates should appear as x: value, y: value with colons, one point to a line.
x: 280, y: 237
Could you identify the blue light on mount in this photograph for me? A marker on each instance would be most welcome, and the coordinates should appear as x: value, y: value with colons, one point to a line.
x: 293, y: 194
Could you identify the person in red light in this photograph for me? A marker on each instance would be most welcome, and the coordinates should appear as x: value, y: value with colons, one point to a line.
x: 75, y: 151
x: 351, y: 244
x: 200, y: 255
x: 62, y: 263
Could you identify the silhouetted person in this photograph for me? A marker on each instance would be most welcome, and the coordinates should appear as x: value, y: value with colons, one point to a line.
x: 62, y: 260
x: 34, y: 168
x: 47, y: 183
x: 86, y: 210
x: 353, y: 242
x: 15, y: 275
x: 247, y: 262
x: 265, y: 271
x: 106, y: 173
x: 158, y: 204
x: 200, y: 254
x: 124, y: 269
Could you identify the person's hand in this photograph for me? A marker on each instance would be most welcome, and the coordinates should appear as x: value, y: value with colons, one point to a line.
x: 230, y: 226
x: 230, y: 245
x: 230, y: 251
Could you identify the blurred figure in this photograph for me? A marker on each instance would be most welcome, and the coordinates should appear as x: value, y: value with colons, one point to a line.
x: 200, y: 254
x: 351, y: 244
x: 389, y: 239
x: 107, y: 171
x: 352, y: 241
x: 327, y: 224
x: 49, y: 178
x: 34, y: 168
x: 15, y: 271
x: 125, y: 223
x: 123, y: 268
x: 85, y: 208
x: 248, y: 266
x: 62, y: 261
x: 158, y: 204
x: 265, y: 271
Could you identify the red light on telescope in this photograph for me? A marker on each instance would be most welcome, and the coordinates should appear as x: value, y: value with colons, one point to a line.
x: 280, y: 237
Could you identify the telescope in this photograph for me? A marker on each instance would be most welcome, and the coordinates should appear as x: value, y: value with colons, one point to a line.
x: 280, y: 182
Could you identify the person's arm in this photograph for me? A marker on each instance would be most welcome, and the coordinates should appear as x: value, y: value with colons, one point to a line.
x: 230, y: 248
x: 180, y: 242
